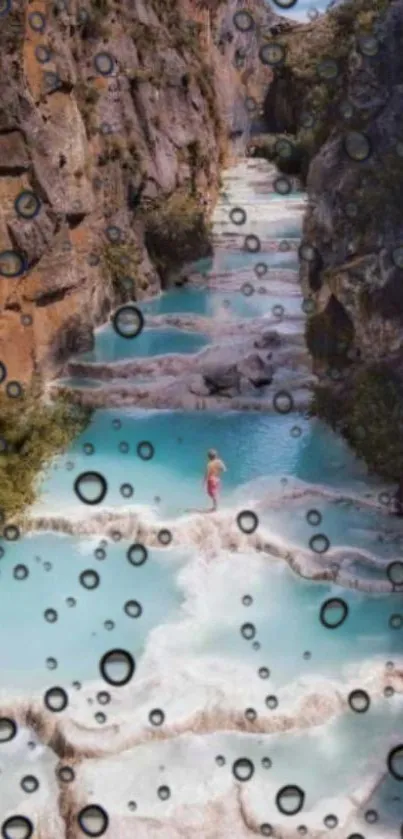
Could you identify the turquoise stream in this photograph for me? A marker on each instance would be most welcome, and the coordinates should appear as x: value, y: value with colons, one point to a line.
x: 263, y: 452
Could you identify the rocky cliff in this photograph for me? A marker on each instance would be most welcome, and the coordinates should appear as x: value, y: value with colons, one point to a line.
x: 337, y: 100
x: 115, y: 118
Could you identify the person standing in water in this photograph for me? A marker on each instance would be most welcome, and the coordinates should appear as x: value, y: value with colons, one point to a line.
x: 215, y: 467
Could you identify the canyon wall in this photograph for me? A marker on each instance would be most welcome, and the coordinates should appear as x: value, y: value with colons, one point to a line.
x: 115, y: 119
x: 337, y: 100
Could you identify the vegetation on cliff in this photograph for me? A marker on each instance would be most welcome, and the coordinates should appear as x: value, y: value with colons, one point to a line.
x: 305, y: 100
x: 176, y: 230
x: 367, y: 408
x: 32, y: 432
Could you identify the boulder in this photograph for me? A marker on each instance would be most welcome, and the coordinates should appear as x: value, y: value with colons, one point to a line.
x: 258, y: 372
x: 221, y: 377
x: 267, y: 339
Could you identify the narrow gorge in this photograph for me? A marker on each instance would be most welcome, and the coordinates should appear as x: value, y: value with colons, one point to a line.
x: 175, y: 277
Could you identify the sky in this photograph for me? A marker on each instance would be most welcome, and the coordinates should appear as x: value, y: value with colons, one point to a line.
x: 301, y: 9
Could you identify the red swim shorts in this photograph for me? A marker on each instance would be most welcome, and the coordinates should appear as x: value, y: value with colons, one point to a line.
x: 213, y: 485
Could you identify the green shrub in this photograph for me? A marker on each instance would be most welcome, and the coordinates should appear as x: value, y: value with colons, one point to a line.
x: 34, y: 433
x: 176, y: 231
x: 368, y: 410
x: 329, y: 334
x: 121, y: 263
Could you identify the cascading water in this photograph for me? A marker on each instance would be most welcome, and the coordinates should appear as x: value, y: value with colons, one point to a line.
x: 254, y: 654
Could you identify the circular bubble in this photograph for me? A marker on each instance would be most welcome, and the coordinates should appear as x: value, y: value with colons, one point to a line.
x: 14, y: 390
x: 137, y: 554
x: 103, y: 697
x: 367, y: 45
x: 243, y: 769
x: 284, y: 148
x: 145, y: 450
x: 248, y: 630
x: 247, y: 521
x: 272, y: 54
x: 93, y: 820
x: 65, y: 774
x: 126, y: 490
x: 251, y: 714
x: 333, y: 612
x: 37, y: 21
x: 88, y: 448
x: 238, y: 215
x: 29, y: 783
x: 42, y: 54
x: 247, y: 600
x: 56, y: 699
x: 388, y: 692
x: 394, y: 572
x: 51, y: 663
x: 319, y: 543
x: 124, y: 447
x: 328, y: 69
x: 117, y: 667
x: 247, y: 289
x: 266, y: 763
x: 266, y: 829
x: 271, y: 702
x: 109, y: 625
x: 308, y: 253
x: 252, y: 243
x: 104, y: 63
x: 89, y: 579
x: 100, y: 717
x: 357, y: 146
x: 164, y: 793
x: 278, y: 311
x: 296, y: 431
x: 397, y: 256
x: 128, y: 321
x: 307, y: 119
x: 264, y: 672
x: 20, y: 572
x: 396, y: 621
x: 91, y: 487
x: 114, y: 234
x: 359, y: 701
x: 220, y: 760
x: 11, y: 532
x: 330, y: 821
x: 133, y: 609
x: 8, y: 729
x: 290, y: 800
x: 27, y: 204
x: 283, y: 402
x: 285, y: 4
x: 17, y: 827
x: 243, y: 21
x: 5, y: 6
x: 156, y: 716
x: 164, y: 536
x: 100, y: 553
x: 371, y: 816
x: 12, y: 264
x: 260, y: 269
x: 395, y: 762
x: 50, y: 615
x: 282, y: 185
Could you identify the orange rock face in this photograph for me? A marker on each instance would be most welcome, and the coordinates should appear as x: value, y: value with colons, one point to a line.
x: 103, y: 108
